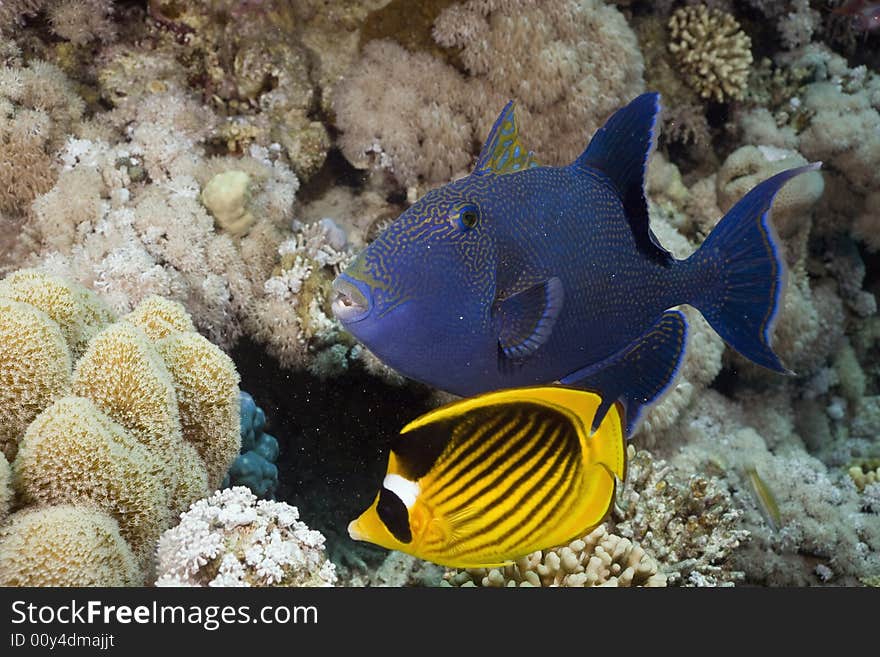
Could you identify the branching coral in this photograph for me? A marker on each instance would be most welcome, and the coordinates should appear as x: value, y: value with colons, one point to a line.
x: 77, y: 21
x: 598, y: 559
x: 713, y: 51
x: 424, y: 125
x: 140, y: 425
x: 689, y: 524
x: 233, y: 539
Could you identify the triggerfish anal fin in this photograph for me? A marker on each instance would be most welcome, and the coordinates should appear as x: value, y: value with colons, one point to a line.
x: 525, y: 320
x: 620, y: 149
x: 639, y: 374
x: 503, y: 152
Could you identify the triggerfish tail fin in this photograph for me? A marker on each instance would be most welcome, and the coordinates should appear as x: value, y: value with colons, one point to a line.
x: 639, y: 374
x: 620, y: 149
x: 740, y: 275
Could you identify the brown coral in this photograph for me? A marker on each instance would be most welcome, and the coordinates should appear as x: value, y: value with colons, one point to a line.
x: 713, y: 51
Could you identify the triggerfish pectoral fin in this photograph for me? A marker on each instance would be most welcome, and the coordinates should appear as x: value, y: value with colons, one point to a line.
x: 639, y: 374
x: 620, y: 149
x: 525, y: 320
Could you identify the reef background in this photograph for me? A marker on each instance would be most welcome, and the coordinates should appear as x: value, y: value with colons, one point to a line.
x: 233, y: 155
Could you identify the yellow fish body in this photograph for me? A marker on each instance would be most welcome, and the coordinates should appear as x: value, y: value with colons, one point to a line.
x: 486, y: 480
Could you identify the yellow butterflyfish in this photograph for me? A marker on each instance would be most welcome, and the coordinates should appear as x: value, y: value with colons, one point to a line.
x: 486, y: 480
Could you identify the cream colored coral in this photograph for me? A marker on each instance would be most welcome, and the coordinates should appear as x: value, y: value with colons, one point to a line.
x: 865, y: 474
x: 598, y: 559
x: 714, y: 53
x: 226, y: 196
x: 127, y: 429
x: 65, y: 546
x: 74, y: 454
x: 127, y: 379
x: 160, y: 317
x: 79, y: 313
x: 749, y: 165
x: 206, y: 385
x: 5, y: 487
x: 35, y: 369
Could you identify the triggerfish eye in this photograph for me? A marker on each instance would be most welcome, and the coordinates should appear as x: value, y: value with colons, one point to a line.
x: 484, y: 481
x: 468, y: 217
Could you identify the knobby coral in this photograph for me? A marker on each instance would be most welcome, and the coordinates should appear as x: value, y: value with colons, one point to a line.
x: 233, y: 539
x: 133, y: 424
x: 713, y: 51
x: 598, y: 559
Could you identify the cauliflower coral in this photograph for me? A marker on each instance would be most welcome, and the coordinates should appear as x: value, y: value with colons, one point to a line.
x: 233, y: 539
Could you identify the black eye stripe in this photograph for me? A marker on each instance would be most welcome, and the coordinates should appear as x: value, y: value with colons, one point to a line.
x: 394, y: 515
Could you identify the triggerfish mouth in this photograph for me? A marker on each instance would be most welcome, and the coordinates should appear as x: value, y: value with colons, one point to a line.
x: 521, y: 275
x: 484, y: 481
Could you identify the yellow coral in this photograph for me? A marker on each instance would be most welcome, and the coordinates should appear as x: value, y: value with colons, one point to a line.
x: 125, y: 376
x: 206, y: 383
x: 160, y: 317
x: 78, y: 312
x: 34, y: 368
x: 65, y: 546
x: 714, y: 53
x: 865, y: 473
x: 73, y: 453
x: 598, y: 559
x: 226, y: 196
x: 124, y: 432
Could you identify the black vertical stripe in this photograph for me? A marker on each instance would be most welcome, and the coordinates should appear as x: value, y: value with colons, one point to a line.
x: 394, y: 515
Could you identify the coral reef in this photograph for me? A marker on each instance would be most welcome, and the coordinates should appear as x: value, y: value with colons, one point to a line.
x: 65, y: 545
x: 134, y: 426
x: 598, y: 559
x: 688, y: 523
x: 233, y: 539
x: 255, y: 466
x: 713, y: 51
x: 582, y: 50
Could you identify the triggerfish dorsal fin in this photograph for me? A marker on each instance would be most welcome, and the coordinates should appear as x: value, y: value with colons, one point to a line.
x: 503, y: 152
x: 640, y: 373
x: 620, y: 149
x: 525, y: 320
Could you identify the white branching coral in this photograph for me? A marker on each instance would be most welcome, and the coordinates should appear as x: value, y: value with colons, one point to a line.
x: 598, y: 559
x: 713, y: 51
x: 233, y: 539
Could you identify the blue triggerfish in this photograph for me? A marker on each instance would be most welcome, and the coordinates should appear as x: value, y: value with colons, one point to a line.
x: 520, y: 274
x: 484, y: 481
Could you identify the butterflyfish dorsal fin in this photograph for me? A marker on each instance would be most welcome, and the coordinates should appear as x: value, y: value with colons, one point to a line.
x: 503, y: 152
x: 526, y: 319
x: 620, y: 149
